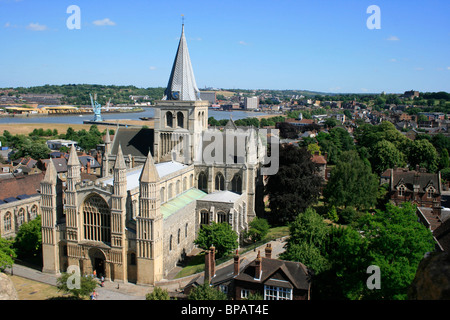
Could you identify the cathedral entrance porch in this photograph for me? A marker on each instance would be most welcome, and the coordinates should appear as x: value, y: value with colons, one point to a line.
x: 98, y: 261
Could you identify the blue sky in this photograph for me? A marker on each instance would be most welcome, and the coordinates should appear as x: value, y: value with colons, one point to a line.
x: 320, y: 45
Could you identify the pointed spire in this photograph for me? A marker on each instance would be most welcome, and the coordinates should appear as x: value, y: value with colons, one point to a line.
x: 182, y: 85
x: 107, y: 138
x: 149, y: 172
x: 73, y: 157
x: 120, y: 161
x: 51, y: 174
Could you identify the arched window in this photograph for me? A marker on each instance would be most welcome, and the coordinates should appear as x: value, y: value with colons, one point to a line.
x: 163, y: 195
x: 220, y: 181
x: 430, y: 193
x: 20, y: 217
x: 184, y: 184
x: 97, y: 219
x: 169, y: 119
x: 186, y: 230
x: 177, y: 192
x: 33, y: 212
x: 170, y: 195
x: 179, y: 236
x: 204, y: 217
x: 180, y: 119
x: 236, y: 184
x: 221, y: 217
x: 191, y: 180
x: 7, y: 223
x: 401, y: 191
x: 170, y: 243
x: 202, y: 181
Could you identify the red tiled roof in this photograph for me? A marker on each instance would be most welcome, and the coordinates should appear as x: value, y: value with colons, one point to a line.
x: 27, y: 184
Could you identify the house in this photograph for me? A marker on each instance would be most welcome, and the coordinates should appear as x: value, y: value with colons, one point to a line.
x: 272, y: 278
x: 321, y: 162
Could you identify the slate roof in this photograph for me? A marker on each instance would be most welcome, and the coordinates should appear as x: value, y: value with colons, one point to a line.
x: 414, y: 177
x: 134, y: 141
x: 60, y: 164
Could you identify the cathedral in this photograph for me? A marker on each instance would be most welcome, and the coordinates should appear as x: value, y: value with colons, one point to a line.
x: 158, y: 187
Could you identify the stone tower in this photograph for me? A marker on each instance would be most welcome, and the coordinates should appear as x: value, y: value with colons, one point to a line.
x: 51, y: 212
x: 149, y: 226
x: 181, y: 116
x: 118, y: 216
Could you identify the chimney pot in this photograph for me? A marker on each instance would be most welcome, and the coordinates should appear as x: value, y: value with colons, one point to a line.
x: 236, y: 263
x: 207, y: 267
x: 268, y: 251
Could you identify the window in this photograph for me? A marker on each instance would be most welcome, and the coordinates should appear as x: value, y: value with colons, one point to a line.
x: 202, y: 181
x: 170, y: 243
x: 220, y: 182
x: 430, y: 192
x: 163, y: 198
x: 179, y: 236
x: 169, y: 119
x: 33, y: 212
x: 170, y: 195
x: 204, y: 217
x: 222, y: 217
x: 223, y: 288
x: 97, y: 219
x: 244, y: 293
x: 236, y: 184
x: 133, y: 259
x: 180, y: 120
x: 186, y: 230
x: 401, y: 191
x: 7, y: 221
x: 21, y: 217
x: 277, y: 293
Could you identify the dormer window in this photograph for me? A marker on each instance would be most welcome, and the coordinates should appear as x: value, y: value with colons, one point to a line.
x: 430, y: 192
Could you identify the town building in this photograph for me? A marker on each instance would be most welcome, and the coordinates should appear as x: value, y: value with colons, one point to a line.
x: 251, y: 103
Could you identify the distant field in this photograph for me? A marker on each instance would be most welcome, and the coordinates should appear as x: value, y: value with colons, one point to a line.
x: 61, y: 127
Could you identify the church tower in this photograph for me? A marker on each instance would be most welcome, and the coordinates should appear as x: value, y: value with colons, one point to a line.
x: 149, y: 226
x: 51, y: 212
x: 118, y: 216
x: 181, y: 116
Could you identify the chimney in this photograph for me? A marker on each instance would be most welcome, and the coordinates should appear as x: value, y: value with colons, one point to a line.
x: 88, y: 166
x: 258, y: 266
x: 268, y: 251
x: 212, y: 257
x: 236, y: 263
x: 207, y: 267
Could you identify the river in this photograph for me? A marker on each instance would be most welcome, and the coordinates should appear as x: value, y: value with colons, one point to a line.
x: 148, y: 112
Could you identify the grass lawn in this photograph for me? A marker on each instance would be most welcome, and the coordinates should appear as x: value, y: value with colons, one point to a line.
x: 33, y: 290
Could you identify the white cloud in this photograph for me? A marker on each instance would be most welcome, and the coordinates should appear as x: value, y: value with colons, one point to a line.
x: 393, y: 60
x: 152, y: 68
x: 393, y: 38
x: 37, y: 27
x: 243, y: 43
x: 104, y: 22
x: 448, y: 68
x: 7, y: 25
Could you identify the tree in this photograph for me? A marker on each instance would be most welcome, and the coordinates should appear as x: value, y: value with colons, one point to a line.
x: 307, y: 233
x: 258, y: 229
x: 158, y: 294
x: 422, y: 153
x: 87, y: 285
x: 385, y: 155
x: 444, y: 159
x: 294, y: 187
x: 205, y: 292
x: 219, y: 235
x: 397, y: 244
x: 351, y: 183
x: 28, y: 241
x: 7, y: 254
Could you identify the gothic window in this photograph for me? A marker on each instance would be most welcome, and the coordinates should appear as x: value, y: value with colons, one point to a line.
x: 191, y: 180
x: 97, y: 219
x: 202, y: 181
x: 179, y: 236
x: 222, y: 217
x: 220, y: 182
x: 170, y: 243
x: 184, y: 184
x: 170, y: 195
x: 177, y: 192
x: 169, y: 119
x: 33, y: 212
x: 20, y: 217
x: 430, y: 193
x: 204, y: 217
x: 163, y: 198
x: 186, y: 230
x: 236, y: 184
x: 7, y: 221
x: 180, y: 119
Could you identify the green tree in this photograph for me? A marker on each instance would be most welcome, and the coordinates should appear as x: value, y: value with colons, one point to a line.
x: 219, y: 235
x: 444, y: 160
x: 28, y: 241
x: 258, y: 229
x: 351, y: 183
x: 423, y: 154
x: 87, y: 285
x: 158, y: 293
x: 385, y: 155
x: 294, y: 187
x: 205, y: 292
x: 7, y: 254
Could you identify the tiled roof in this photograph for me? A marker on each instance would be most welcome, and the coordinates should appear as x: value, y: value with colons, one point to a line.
x: 23, y: 185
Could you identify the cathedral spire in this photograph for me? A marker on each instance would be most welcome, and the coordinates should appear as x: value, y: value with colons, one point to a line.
x: 182, y: 85
x: 51, y: 174
x: 73, y: 157
x: 120, y: 161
